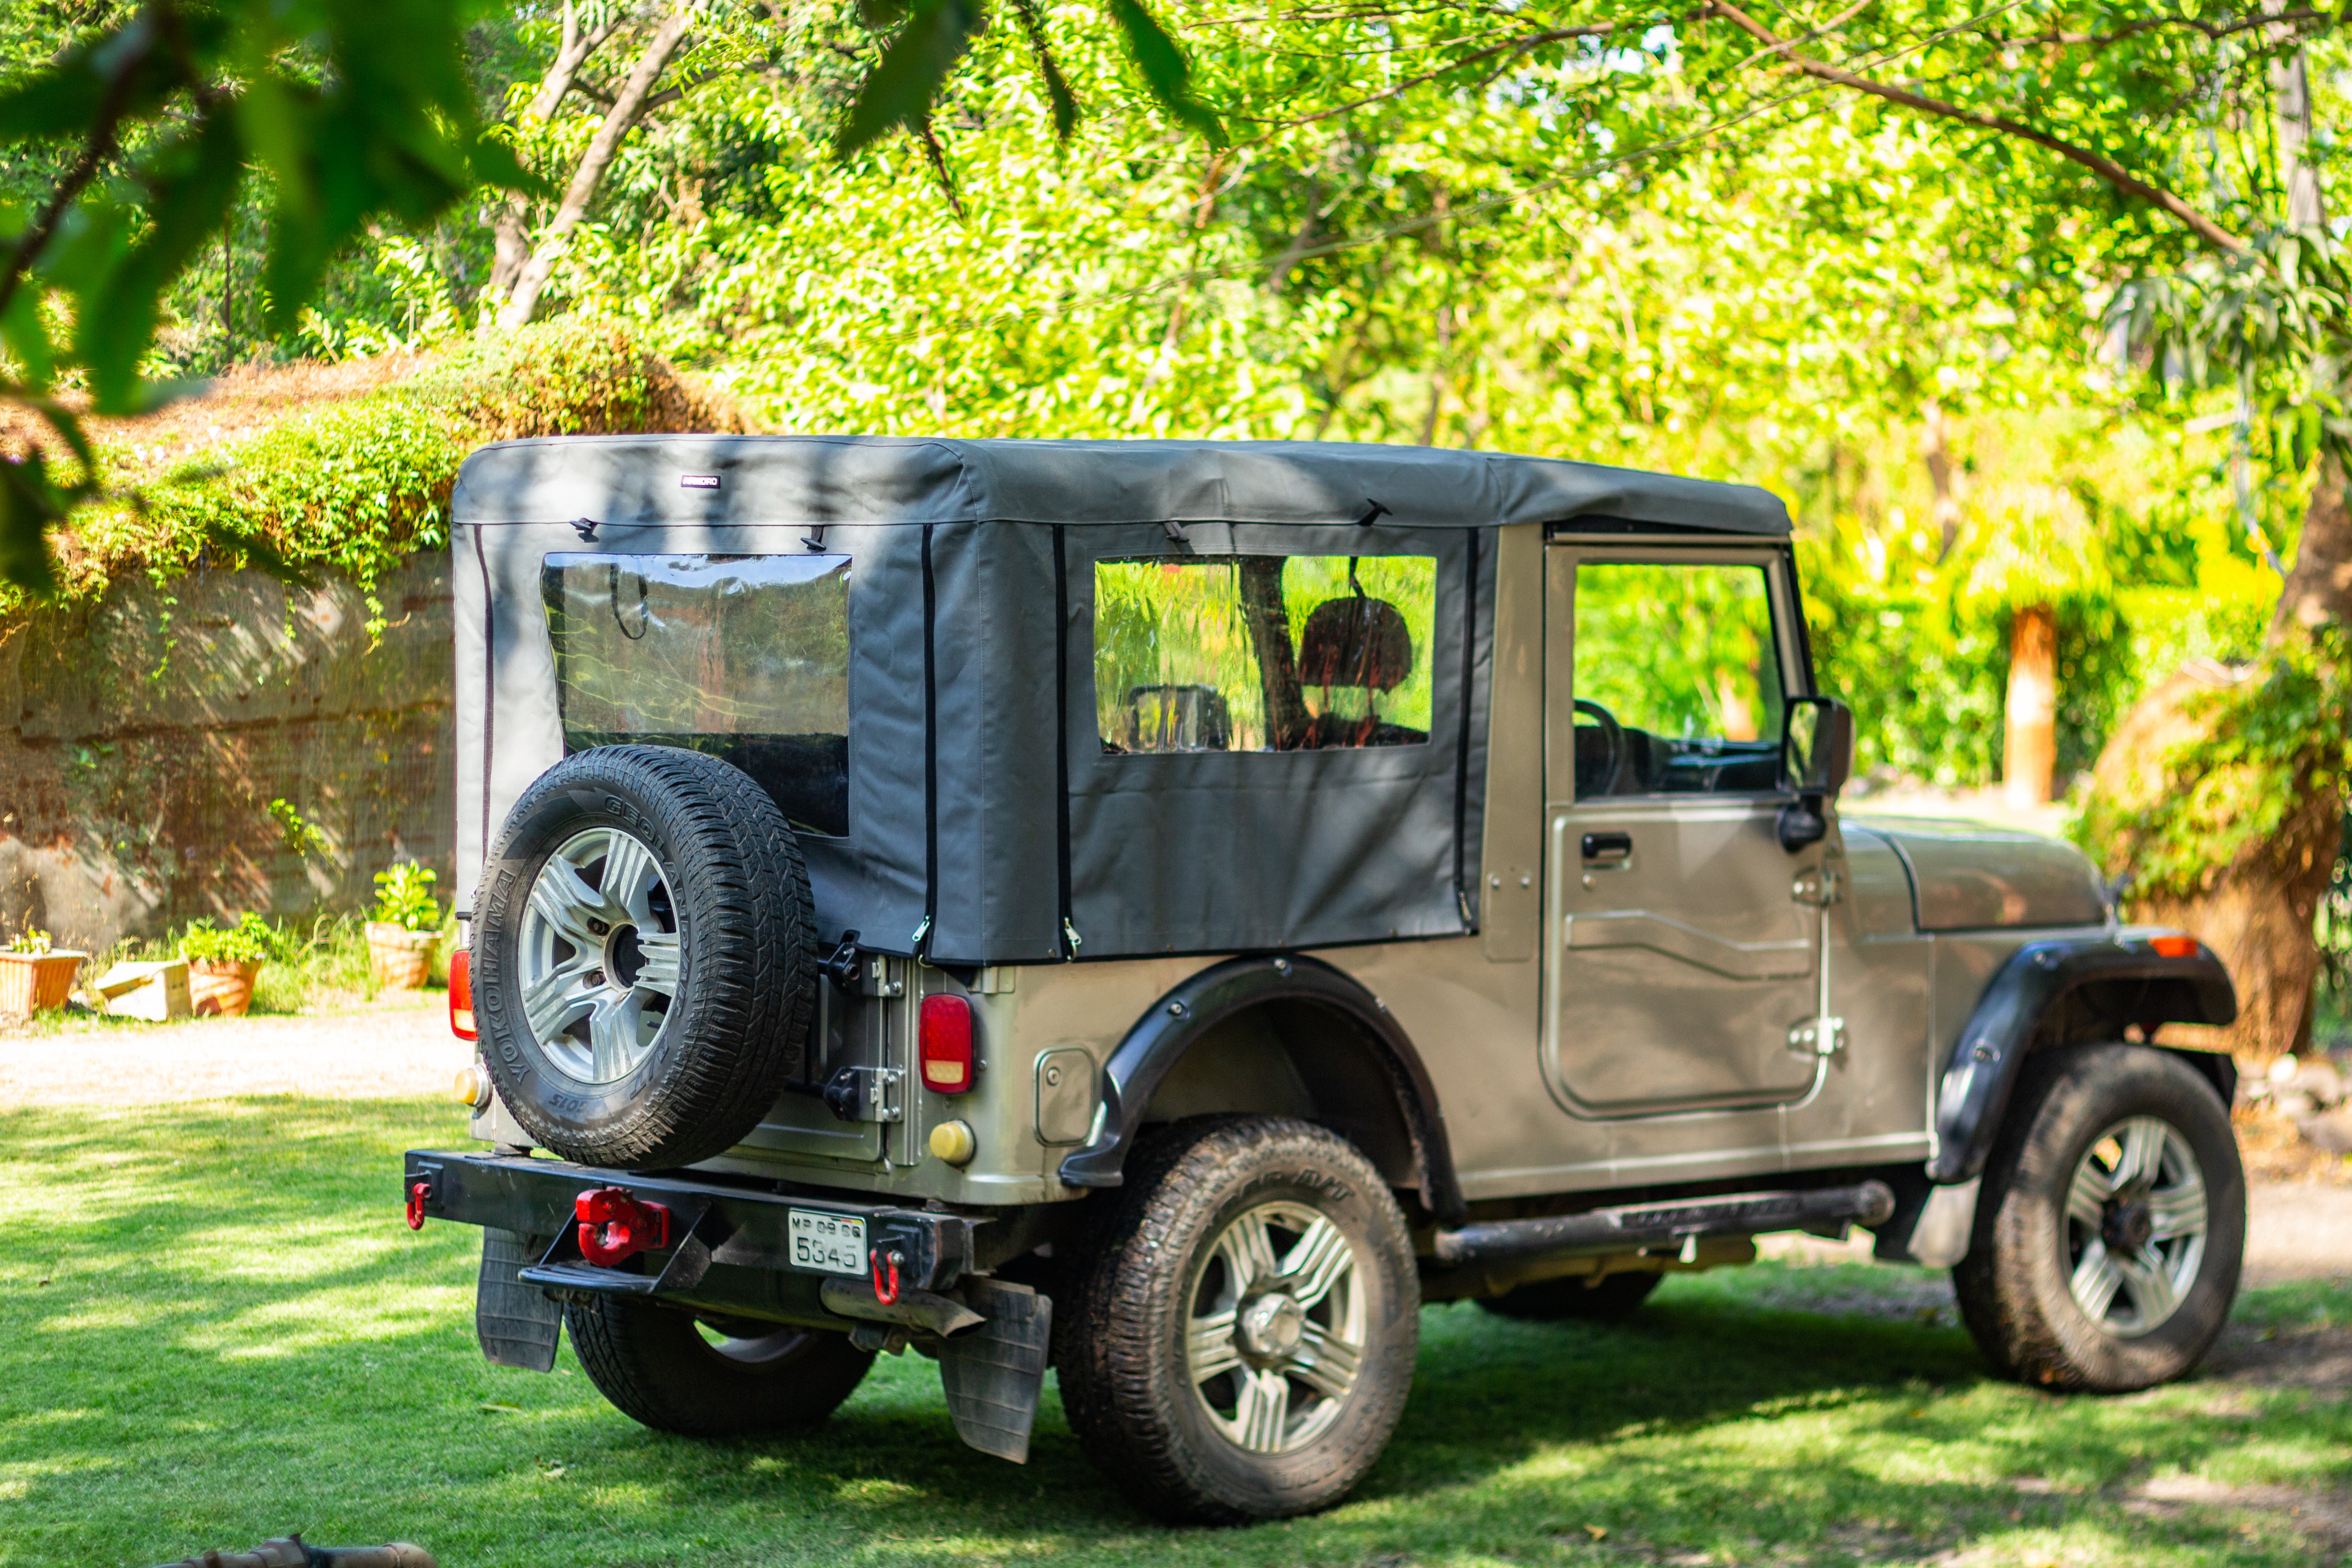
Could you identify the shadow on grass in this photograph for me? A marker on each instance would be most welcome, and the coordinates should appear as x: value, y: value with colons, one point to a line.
x: 237, y: 1336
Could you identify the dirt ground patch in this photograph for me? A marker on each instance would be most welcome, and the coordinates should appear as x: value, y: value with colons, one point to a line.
x: 391, y: 1048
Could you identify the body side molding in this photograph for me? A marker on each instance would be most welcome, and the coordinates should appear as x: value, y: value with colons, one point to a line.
x: 1202, y: 1000
x: 2140, y: 985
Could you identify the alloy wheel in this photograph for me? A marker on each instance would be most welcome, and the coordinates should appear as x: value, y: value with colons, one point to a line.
x: 2136, y: 1225
x: 599, y: 955
x: 1276, y: 1331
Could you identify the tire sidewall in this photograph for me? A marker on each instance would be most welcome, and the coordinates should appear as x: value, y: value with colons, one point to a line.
x: 1292, y: 1168
x: 2085, y: 1094
x: 553, y: 1105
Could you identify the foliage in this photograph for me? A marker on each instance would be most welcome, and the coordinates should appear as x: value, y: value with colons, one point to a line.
x: 302, y: 835
x: 354, y: 488
x: 164, y: 1377
x: 358, y: 110
x: 2259, y: 748
x: 405, y: 898
x: 252, y: 939
x: 31, y: 940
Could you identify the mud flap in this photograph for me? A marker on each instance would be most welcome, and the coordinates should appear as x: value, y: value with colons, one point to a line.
x: 518, y: 1325
x: 994, y: 1374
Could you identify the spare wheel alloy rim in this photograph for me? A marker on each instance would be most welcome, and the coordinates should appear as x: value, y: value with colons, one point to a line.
x: 599, y: 955
x: 2136, y: 1225
x: 1275, y: 1337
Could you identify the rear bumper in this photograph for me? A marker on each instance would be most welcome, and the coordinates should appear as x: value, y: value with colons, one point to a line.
x: 729, y: 1247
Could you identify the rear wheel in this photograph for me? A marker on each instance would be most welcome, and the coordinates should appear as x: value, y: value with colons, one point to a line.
x: 1242, y: 1328
x: 1578, y: 1297
x: 711, y: 1377
x: 2110, y: 1225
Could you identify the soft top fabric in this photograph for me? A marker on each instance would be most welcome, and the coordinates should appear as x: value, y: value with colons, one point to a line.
x: 886, y: 479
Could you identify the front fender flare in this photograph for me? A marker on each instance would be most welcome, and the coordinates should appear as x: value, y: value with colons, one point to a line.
x: 1199, y: 1004
x: 1984, y: 1065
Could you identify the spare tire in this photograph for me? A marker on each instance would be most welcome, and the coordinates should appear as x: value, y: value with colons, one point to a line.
x: 643, y: 957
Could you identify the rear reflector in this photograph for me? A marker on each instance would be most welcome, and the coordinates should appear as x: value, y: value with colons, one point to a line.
x: 461, y: 994
x: 2174, y: 946
x: 946, y: 1045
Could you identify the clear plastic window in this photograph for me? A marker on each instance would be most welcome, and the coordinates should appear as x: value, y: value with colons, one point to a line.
x: 1677, y: 679
x: 744, y: 656
x: 1264, y: 653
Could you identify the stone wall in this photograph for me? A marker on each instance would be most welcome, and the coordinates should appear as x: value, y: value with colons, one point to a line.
x: 144, y: 739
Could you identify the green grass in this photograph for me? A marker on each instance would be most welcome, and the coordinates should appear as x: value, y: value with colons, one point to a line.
x: 214, y: 1328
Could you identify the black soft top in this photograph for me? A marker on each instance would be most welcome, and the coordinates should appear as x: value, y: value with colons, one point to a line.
x: 884, y: 479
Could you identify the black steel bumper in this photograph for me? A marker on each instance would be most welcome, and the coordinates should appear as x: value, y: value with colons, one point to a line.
x: 729, y: 1247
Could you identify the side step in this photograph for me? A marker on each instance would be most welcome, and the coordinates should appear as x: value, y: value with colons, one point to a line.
x: 1641, y: 1225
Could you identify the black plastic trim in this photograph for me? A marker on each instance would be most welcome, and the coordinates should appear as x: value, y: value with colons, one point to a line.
x: 1984, y: 1065
x: 1197, y: 1005
x: 1604, y: 1231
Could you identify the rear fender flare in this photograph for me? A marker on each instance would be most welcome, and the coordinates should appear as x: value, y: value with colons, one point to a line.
x: 1191, y: 1009
x: 2148, y: 988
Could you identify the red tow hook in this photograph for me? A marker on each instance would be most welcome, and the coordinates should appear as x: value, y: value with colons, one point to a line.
x: 616, y: 1227
x: 885, y: 1294
x: 417, y: 1192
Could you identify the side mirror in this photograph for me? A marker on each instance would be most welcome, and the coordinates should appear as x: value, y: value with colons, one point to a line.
x: 1816, y: 757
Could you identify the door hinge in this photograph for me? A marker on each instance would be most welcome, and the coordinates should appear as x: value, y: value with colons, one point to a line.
x: 1817, y: 1037
x: 1820, y: 888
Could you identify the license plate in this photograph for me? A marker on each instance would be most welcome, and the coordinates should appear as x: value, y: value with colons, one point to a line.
x: 828, y: 1243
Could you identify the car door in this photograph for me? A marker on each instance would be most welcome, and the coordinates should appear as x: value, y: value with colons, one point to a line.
x: 1683, y: 940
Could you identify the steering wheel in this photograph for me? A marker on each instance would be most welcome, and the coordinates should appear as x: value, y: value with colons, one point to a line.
x: 1616, y: 733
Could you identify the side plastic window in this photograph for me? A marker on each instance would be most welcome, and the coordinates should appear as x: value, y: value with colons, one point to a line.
x: 1262, y: 653
x: 1677, y: 681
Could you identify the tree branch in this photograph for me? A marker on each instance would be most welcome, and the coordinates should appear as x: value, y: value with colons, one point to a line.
x: 510, y: 249
x: 627, y: 106
x: 1511, y: 46
x: 2106, y: 168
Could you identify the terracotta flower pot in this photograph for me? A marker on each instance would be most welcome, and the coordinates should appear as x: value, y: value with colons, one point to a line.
x: 36, y: 982
x: 221, y: 985
x: 402, y: 959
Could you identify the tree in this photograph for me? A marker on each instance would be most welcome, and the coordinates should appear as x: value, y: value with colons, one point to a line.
x: 354, y: 111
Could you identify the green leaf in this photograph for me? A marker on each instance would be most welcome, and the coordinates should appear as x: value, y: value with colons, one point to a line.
x: 193, y: 183
x: 916, y: 61
x: 27, y: 336
x: 1164, y: 68
x: 29, y: 503
x: 1057, y: 87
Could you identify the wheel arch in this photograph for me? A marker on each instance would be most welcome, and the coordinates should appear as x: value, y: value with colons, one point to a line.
x: 2062, y: 991
x: 1345, y: 1062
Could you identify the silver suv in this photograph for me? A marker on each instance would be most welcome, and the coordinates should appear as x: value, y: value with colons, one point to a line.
x: 1164, y: 911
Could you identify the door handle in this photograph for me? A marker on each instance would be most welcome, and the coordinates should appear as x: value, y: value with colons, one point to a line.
x: 1608, y: 849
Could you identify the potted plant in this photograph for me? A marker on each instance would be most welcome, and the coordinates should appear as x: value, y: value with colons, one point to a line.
x: 224, y: 964
x: 406, y: 930
x: 34, y: 976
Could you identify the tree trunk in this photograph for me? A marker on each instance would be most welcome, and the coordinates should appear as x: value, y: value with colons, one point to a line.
x: 2257, y: 910
x: 628, y: 104
x: 510, y: 245
x: 1944, y: 510
x: 2028, y: 753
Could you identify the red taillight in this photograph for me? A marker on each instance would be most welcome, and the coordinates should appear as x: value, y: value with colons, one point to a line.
x: 2173, y: 946
x: 461, y: 994
x: 945, y: 1047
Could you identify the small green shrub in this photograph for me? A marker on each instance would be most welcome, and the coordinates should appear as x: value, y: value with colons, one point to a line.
x: 403, y: 896
x: 251, y: 941
x: 31, y: 940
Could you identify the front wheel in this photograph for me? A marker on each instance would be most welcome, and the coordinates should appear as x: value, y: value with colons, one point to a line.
x: 1244, y: 1328
x: 2110, y: 1225
x: 712, y: 1377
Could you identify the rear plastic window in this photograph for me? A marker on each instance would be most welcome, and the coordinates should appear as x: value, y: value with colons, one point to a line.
x: 1262, y: 653
x: 743, y: 656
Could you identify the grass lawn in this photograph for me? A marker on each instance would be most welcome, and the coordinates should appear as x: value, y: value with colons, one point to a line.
x: 214, y: 1328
